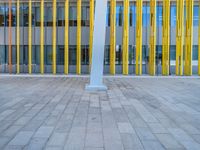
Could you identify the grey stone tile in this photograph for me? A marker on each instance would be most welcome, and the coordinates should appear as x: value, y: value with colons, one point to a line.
x: 145, y: 134
x: 131, y: 141
x: 36, y: 144
x: 57, y: 139
x: 134, y: 114
x: 94, y: 140
x: 44, y: 132
x: 22, y: 138
x: 157, y: 128
x: 4, y: 141
x: 152, y: 145
x: 125, y: 127
x: 169, y: 141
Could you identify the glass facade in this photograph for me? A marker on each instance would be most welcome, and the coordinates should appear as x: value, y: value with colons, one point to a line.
x: 85, y: 22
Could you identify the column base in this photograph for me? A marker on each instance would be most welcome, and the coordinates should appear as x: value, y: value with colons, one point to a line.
x: 96, y: 87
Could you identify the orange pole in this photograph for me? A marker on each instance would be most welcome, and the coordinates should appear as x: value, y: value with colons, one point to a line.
x: 10, y: 39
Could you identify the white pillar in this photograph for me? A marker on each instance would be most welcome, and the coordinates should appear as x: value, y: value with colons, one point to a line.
x: 96, y: 77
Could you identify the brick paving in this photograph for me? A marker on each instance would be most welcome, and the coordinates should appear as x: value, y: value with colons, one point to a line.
x: 134, y: 114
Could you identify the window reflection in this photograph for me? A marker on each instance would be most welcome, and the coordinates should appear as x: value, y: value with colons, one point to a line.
x: 119, y: 15
x: 2, y: 17
x: 173, y: 16
x: 25, y: 15
x: 132, y: 15
x: 37, y: 16
x: 72, y: 16
x: 159, y: 15
x: 196, y: 16
x: 61, y: 16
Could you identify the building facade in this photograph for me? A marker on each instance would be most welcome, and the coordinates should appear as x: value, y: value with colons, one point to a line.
x: 142, y: 36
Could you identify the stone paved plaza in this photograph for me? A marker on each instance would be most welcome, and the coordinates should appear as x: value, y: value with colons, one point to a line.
x: 134, y: 114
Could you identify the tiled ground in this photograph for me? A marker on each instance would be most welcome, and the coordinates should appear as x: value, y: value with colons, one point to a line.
x: 134, y: 114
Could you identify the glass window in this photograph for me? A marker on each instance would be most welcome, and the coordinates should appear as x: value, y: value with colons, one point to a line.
x: 172, y: 52
x: 158, y: 54
x: 37, y: 16
x: 118, y: 55
x: 7, y: 15
x: 146, y: 15
x: 61, y: 16
x: 36, y: 54
x: 25, y: 54
x: 72, y: 55
x: 144, y: 53
x: 2, y: 15
x: 2, y: 55
x: 25, y: 15
x: 173, y: 16
x: 60, y: 55
x: 85, y: 54
x: 131, y: 54
x: 159, y: 15
x: 196, y: 15
x: 48, y: 54
x: 14, y: 55
x: 119, y: 15
x: 72, y: 16
x: 132, y: 15
x: 85, y: 16
x: 107, y: 55
x: 13, y: 15
x: 21, y: 59
x: 108, y: 17
x: 48, y: 16
x: 21, y: 20
x: 195, y: 52
x: 6, y: 54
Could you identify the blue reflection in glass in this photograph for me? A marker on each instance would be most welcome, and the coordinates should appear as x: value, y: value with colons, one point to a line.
x: 196, y: 16
x: 132, y: 15
x: 173, y: 16
x: 146, y: 15
x: 159, y: 17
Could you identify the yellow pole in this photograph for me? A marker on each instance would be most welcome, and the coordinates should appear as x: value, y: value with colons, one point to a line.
x: 66, y: 64
x: 10, y: 37
x: 179, y: 36
x: 42, y: 37
x: 125, y: 51
x: 18, y: 37
x: 188, y: 37
x: 112, y: 36
x: 30, y: 39
x: 91, y: 30
x: 166, y: 37
x: 138, y: 68
x: 152, y: 50
x: 78, y: 44
x: 54, y: 37
x: 199, y: 44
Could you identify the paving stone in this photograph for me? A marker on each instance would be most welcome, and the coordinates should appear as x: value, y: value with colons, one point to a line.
x: 94, y: 140
x: 36, y: 144
x: 57, y: 139
x: 157, y: 128
x: 131, y: 141
x: 22, y: 138
x: 152, y: 145
x: 168, y: 141
x: 125, y: 127
x: 145, y: 134
x: 43, y: 132
x: 57, y: 113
